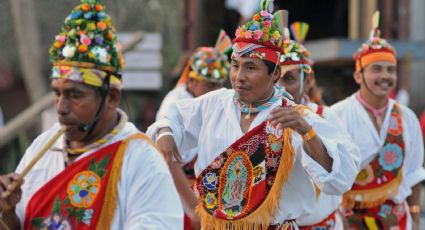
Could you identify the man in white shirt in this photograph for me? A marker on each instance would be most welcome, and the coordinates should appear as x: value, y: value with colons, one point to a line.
x: 256, y: 150
x: 298, y: 77
x: 386, y: 192
x: 102, y: 172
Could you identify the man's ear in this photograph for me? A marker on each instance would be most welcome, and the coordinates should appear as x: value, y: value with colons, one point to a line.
x: 357, y: 77
x: 276, y: 75
x: 309, y: 80
x: 114, y: 97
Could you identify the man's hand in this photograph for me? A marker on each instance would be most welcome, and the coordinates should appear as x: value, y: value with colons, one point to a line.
x: 289, y: 117
x: 9, y: 202
x: 168, y: 147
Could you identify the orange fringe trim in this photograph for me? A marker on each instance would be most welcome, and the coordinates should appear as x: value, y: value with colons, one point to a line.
x: 260, y: 218
x: 109, y: 204
x: 370, y: 198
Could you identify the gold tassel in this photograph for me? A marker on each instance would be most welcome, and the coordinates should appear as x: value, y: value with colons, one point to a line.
x: 261, y: 217
x: 109, y: 204
x: 372, y: 197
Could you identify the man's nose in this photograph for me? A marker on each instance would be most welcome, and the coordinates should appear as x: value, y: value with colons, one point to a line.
x: 62, y: 105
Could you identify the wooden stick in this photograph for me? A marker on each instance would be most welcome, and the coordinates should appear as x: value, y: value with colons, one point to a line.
x: 33, y: 162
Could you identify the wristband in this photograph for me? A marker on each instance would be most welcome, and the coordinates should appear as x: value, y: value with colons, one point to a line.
x: 309, y: 135
x: 163, y: 135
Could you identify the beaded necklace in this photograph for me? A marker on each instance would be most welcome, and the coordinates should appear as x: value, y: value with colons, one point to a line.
x: 103, y: 140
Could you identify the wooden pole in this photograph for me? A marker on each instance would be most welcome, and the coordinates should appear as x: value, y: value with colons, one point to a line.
x: 28, y: 42
x: 354, y: 19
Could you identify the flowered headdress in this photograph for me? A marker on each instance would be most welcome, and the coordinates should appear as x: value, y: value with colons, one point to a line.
x: 294, y: 51
x: 209, y: 63
x: 262, y: 36
x: 375, y: 49
x: 295, y: 54
x: 87, y: 50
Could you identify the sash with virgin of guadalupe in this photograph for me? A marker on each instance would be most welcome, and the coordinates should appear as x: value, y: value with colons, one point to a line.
x: 83, y: 195
x: 241, y: 188
x: 381, y: 178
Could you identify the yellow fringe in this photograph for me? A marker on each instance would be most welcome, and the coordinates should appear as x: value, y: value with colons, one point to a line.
x: 109, y: 204
x: 260, y: 218
x: 316, y: 190
x: 372, y: 197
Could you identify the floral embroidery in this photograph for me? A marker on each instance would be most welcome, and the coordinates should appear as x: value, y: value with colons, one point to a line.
x: 83, y: 189
x: 81, y: 194
x: 210, y: 201
x: 210, y: 181
x: 396, y: 127
x: 385, y: 210
x: 391, y: 157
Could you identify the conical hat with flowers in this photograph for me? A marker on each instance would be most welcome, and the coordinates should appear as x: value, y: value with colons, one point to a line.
x: 262, y: 36
x: 375, y: 48
x: 294, y: 50
x: 87, y: 39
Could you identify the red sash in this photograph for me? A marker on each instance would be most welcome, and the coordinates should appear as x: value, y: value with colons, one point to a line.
x: 386, y: 216
x: 83, y: 195
x: 379, y: 180
x: 327, y: 224
x: 241, y: 188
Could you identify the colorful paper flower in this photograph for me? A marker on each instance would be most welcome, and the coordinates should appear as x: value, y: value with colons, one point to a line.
x: 257, y: 34
x: 390, y: 157
x: 68, y: 51
x: 85, y: 40
x: 101, y: 25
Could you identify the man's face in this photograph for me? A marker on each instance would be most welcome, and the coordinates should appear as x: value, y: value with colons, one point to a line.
x: 380, y: 77
x: 76, y: 104
x: 250, y: 79
x: 292, y: 82
x: 199, y: 87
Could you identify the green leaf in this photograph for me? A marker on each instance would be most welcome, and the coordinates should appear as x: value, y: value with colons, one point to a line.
x: 92, y: 166
x: 79, y: 215
x: 101, y: 172
x: 104, y: 162
x: 70, y: 211
x: 66, y: 201
x: 37, y: 222
x: 56, y: 205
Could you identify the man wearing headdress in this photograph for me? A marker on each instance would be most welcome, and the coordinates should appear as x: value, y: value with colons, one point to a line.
x: 297, y: 76
x: 256, y: 131
x: 102, y: 173
x: 386, y: 192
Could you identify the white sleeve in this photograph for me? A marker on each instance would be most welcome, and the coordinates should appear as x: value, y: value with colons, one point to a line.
x: 185, y: 120
x: 148, y: 198
x: 414, y: 171
x: 345, y: 156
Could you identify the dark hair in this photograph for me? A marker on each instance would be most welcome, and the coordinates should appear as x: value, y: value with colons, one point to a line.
x: 270, y: 66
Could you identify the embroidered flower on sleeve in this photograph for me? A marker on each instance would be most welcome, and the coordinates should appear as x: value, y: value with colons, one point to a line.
x: 391, y: 157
